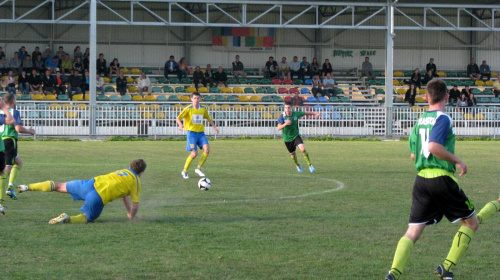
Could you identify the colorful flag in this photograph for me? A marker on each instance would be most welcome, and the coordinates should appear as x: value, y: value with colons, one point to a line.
x: 243, y: 38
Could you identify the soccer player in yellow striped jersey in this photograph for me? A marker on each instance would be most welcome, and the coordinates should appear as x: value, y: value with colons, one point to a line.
x: 97, y: 192
x: 193, y: 116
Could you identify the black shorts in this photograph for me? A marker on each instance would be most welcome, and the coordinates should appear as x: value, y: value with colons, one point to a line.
x: 10, y: 150
x: 291, y: 146
x: 435, y: 197
x: 2, y: 161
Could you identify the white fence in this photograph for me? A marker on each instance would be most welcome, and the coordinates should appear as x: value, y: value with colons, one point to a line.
x: 158, y: 119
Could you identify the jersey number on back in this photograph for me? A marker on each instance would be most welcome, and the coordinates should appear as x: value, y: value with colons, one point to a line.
x: 424, y: 139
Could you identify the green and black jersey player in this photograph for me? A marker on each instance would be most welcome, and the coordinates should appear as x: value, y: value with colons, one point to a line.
x: 435, y: 191
x: 288, y: 122
x: 10, y: 134
x: 5, y: 118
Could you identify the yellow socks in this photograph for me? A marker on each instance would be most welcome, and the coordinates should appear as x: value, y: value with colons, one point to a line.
x: 202, y: 160
x: 188, y: 163
x: 458, y: 247
x: 401, y: 255
x: 14, y: 172
x: 78, y: 219
x: 294, y: 158
x: 47, y: 186
x: 488, y: 211
x: 306, y: 157
x: 3, y: 185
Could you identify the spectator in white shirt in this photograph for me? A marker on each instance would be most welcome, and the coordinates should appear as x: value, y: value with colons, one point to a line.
x: 144, y: 84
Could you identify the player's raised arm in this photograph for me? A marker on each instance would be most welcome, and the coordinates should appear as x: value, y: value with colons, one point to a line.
x: 313, y: 114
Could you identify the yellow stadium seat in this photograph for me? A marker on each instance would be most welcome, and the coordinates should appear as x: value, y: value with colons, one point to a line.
x: 398, y: 74
x: 260, y: 107
x: 202, y: 90
x: 277, y: 115
x: 106, y: 80
x: 78, y: 97
x: 441, y: 74
x: 149, y: 98
x: 136, y: 80
x: 213, y: 107
x: 266, y: 116
x: 494, y: 74
x: 129, y: 80
x: 135, y: 71
x: 132, y: 89
x: 249, y: 107
x: 420, y: 99
x: 480, y: 117
x: 489, y: 83
x: 238, y: 90
x: 185, y: 98
x: 143, y: 107
x: 422, y: 91
x: 55, y: 106
x: 225, y: 107
x: 271, y: 107
x: 401, y: 91
x: 147, y: 115
x: 468, y: 117
x: 178, y: 107
x: 191, y: 89
x: 38, y: 97
x: 160, y: 115
x: 243, y: 98
x: 137, y: 98
x: 51, y: 97
x: 4, y: 78
x: 479, y: 83
x: 71, y: 115
x: 81, y: 106
x: 395, y: 82
x: 124, y: 70
x: 254, y: 98
x: 154, y: 107
x: 87, y: 97
x: 66, y: 106
x: 227, y: 90
x: 415, y: 108
x: 237, y: 107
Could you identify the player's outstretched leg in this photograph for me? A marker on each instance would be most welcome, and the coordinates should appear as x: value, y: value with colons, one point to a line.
x: 47, y: 186
x: 297, y: 165
x: 65, y: 218
x: 203, y: 158
x: 306, y: 157
x: 488, y: 211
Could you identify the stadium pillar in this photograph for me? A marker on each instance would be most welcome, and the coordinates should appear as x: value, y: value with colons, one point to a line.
x: 92, y: 67
x: 389, y: 60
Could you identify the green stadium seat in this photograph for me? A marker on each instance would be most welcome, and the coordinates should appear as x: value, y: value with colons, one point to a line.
x: 109, y: 89
x: 173, y: 98
x: 266, y: 99
x: 495, y: 100
x: 163, y: 80
x: 214, y: 90
x: 147, y: 71
x: 451, y: 74
x: 298, y: 82
x: 114, y: 97
x: 277, y: 98
x: 186, y: 81
x: 254, y: 81
x: 161, y: 98
x: 265, y: 81
x: 469, y: 83
x: 101, y: 97
x: 232, y: 98
x: 372, y: 82
x: 168, y: 89
x: 379, y: 91
x: 462, y: 74
x: 484, y: 100
x: 26, y: 97
x: 260, y: 90
x: 232, y: 81
x: 153, y: 80
x: 180, y: 89
x: 334, y: 99
x: 126, y: 98
x: 208, y: 98
x: 220, y: 98
x: 271, y: 90
x: 156, y: 89
x: 249, y: 90
x: 173, y: 80
x: 487, y: 91
x: 243, y: 81
x: 476, y: 91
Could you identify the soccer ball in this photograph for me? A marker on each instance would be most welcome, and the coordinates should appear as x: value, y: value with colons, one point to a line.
x: 204, y: 184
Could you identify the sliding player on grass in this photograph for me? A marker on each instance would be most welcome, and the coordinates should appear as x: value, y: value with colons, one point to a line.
x: 97, y: 192
x: 13, y: 162
x: 193, y: 116
x: 288, y: 122
x: 435, y: 191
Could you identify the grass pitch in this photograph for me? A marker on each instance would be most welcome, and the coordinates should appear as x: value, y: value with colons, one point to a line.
x: 260, y: 220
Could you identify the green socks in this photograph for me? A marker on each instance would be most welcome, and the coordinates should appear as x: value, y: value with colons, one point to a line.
x: 401, y: 255
x: 3, y: 185
x: 458, y: 247
x: 306, y: 157
x: 488, y: 211
x: 294, y: 158
x: 14, y: 172
x: 78, y: 219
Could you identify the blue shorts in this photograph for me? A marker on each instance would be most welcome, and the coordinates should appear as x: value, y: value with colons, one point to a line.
x: 195, y: 140
x: 84, y: 190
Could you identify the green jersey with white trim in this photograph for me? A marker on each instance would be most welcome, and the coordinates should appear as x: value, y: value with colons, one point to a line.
x: 290, y: 132
x: 432, y: 126
x: 9, y: 131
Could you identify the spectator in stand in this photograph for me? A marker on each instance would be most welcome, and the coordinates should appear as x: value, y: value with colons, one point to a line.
x: 86, y: 83
x: 415, y: 78
x: 27, y: 64
x: 22, y: 53
x: 209, y: 77
x: 485, y: 70
x: 473, y: 71
x: 101, y: 65
x: 367, y: 69
x: 144, y: 84
x: 198, y: 78
x: 4, y: 65
x: 2, y: 52
x: 238, y: 69
x: 315, y: 70
x: 329, y: 85
x: 284, y: 70
x: 52, y: 64
x: 410, y: 95
x: 10, y: 83
x: 74, y: 84
x: 317, y: 86
x: 271, y: 68
x: 121, y: 84
x: 39, y: 64
x: 295, y: 67
x: 78, y: 65
x: 77, y: 52
x: 297, y: 100
x: 114, y: 67
x: 184, y: 69
x: 60, y: 83
x: 16, y: 64
x: 305, y: 68
x: 99, y: 82
x: 61, y: 53
x: 35, y: 53
x: 470, y: 96
x: 454, y: 95
x: 327, y: 68
x: 431, y: 67
x: 220, y: 77
x: 496, y: 88
x: 428, y: 77
x: 463, y: 101
x: 23, y: 83
x: 66, y: 64
x: 171, y: 67
x: 48, y: 83
x: 86, y: 59
x: 47, y: 54
x: 35, y: 81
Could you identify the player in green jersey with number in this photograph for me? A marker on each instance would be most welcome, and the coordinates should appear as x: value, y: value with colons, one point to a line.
x: 288, y: 122
x: 10, y: 134
x: 436, y: 192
